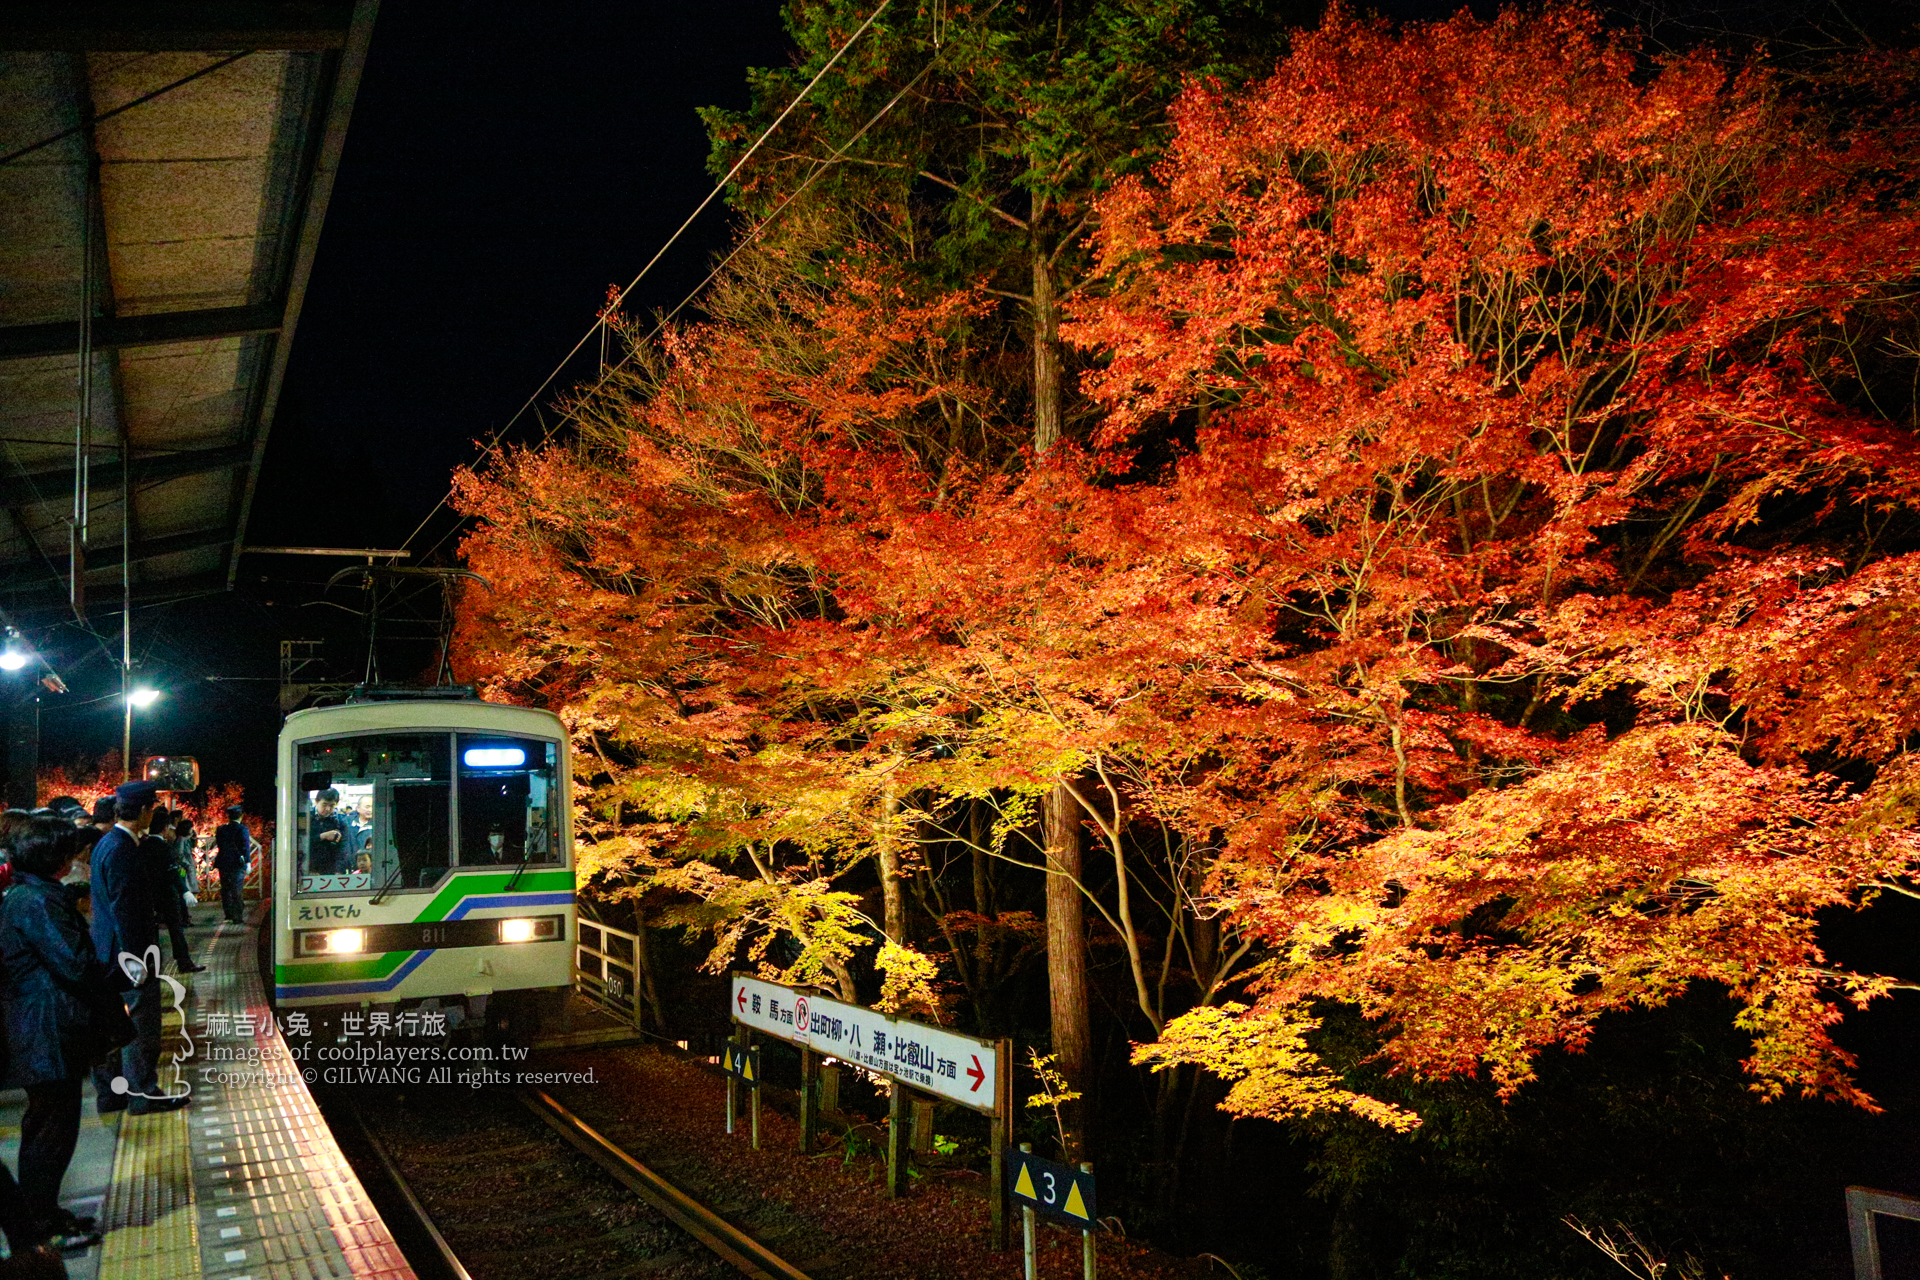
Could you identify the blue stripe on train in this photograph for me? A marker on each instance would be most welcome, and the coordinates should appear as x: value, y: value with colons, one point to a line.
x: 378, y: 985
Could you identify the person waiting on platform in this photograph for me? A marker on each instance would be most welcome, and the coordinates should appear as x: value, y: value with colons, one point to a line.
x: 331, y: 844
x: 124, y: 924
x: 63, y: 1016
x: 157, y: 848
x: 184, y: 839
x: 232, y: 849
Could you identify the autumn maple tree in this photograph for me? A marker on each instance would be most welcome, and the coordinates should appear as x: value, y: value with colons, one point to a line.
x: 1548, y: 409
x: 1474, y: 590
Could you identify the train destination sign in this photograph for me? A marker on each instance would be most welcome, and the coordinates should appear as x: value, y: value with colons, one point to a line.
x: 933, y: 1060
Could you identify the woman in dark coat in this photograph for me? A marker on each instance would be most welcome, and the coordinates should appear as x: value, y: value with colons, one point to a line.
x: 52, y: 1001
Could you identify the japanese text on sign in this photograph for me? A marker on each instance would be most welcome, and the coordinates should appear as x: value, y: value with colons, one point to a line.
x: 943, y: 1063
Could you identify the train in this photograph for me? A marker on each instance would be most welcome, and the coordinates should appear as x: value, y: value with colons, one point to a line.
x: 424, y: 861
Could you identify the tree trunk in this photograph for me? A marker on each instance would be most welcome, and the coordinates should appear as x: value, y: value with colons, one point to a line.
x: 1046, y: 355
x: 892, y: 893
x: 1066, y: 917
x: 1067, y: 967
x: 985, y: 949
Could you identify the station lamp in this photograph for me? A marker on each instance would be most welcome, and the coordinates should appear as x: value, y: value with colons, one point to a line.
x: 143, y: 698
x: 14, y: 656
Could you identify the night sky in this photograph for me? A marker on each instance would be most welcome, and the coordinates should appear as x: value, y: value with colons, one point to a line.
x: 504, y: 166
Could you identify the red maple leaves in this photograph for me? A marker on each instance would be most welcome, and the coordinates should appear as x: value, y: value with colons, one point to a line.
x: 1487, y: 578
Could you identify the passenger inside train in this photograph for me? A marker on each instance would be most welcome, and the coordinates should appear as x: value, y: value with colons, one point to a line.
x: 398, y: 812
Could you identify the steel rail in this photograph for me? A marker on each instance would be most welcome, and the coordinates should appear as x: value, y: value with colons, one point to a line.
x: 447, y: 1257
x: 732, y: 1244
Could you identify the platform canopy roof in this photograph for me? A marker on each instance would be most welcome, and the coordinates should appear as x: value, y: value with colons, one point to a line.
x: 164, y: 170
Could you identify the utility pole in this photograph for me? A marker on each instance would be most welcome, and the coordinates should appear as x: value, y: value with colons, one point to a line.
x: 23, y: 749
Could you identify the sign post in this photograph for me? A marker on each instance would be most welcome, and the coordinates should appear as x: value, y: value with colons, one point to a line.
x: 1088, y: 1264
x: 809, y: 1102
x: 1059, y: 1191
x: 997, y: 1136
x: 742, y: 1064
x: 931, y: 1060
x: 899, y: 1129
x: 1026, y: 1223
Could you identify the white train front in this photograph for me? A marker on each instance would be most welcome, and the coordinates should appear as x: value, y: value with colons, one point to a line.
x: 424, y: 854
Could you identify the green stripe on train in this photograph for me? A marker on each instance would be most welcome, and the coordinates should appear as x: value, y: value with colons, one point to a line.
x: 369, y: 968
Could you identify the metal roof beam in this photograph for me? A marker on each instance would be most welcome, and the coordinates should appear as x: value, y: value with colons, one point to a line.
x: 51, y: 486
x: 83, y: 25
x: 326, y: 163
x: 62, y: 337
x: 34, y: 599
x: 144, y: 549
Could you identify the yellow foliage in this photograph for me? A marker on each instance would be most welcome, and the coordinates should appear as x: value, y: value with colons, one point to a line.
x: 908, y: 977
x: 1264, y: 1053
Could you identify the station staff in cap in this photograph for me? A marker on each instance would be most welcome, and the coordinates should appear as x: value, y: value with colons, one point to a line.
x: 125, y: 916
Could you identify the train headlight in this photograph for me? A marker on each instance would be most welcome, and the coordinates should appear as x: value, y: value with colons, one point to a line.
x: 536, y: 929
x: 343, y: 942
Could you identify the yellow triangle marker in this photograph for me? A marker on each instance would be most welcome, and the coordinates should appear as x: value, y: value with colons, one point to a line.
x: 1075, y: 1205
x: 1023, y: 1185
x: 746, y: 1065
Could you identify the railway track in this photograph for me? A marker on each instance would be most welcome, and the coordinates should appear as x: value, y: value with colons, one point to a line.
x: 481, y: 1187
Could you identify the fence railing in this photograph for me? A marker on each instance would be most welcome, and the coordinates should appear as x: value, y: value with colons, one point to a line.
x: 606, y: 967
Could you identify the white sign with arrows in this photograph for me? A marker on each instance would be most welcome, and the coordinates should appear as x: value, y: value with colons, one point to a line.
x: 943, y: 1063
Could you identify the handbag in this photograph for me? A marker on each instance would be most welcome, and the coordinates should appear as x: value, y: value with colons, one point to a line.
x: 109, y: 1025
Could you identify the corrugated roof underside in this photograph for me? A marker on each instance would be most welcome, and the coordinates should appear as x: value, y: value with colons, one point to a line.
x: 199, y: 197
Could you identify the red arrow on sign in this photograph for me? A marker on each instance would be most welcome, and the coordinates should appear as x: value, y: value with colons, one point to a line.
x: 743, y: 1000
x: 979, y: 1076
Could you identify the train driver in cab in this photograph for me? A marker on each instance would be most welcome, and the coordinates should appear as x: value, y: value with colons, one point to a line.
x: 499, y: 848
x: 331, y: 844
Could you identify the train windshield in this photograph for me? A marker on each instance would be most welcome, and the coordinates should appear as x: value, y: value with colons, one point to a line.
x: 400, y: 811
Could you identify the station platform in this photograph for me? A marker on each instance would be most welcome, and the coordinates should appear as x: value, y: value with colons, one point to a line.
x: 243, y: 1183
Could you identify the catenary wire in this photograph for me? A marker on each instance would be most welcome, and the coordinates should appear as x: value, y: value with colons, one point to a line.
x: 819, y: 167
x: 711, y: 196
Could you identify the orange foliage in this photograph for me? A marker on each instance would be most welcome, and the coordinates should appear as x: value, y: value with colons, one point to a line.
x: 1473, y: 582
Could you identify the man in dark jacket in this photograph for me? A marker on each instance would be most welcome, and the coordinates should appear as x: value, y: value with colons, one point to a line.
x: 332, y: 846
x: 124, y: 920
x: 168, y: 897
x: 232, y: 846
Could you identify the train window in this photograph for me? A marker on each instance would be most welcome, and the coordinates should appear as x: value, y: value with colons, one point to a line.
x: 507, y: 791
x: 375, y: 813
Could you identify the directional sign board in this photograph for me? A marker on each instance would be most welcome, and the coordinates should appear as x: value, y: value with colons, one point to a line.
x: 933, y: 1060
x: 1047, y: 1186
x: 743, y: 1062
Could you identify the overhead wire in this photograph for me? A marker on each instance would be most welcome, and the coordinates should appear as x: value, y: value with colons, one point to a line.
x: 719, y: 187
x: 821, y: 166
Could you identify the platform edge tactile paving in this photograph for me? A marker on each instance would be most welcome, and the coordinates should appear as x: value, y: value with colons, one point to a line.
x: 247, y: 1180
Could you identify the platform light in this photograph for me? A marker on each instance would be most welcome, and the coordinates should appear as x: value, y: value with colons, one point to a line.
x: 493, y: 757
x: 144, y: 697
x: 343, y: 942
x: 11, y: 659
